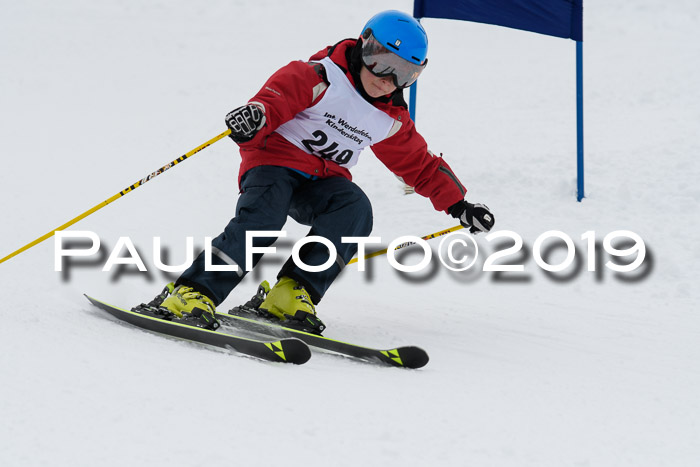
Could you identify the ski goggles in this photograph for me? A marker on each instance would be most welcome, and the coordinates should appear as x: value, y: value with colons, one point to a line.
x: 381, y: 62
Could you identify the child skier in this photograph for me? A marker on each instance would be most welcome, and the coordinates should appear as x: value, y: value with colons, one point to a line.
x: 298, y: 138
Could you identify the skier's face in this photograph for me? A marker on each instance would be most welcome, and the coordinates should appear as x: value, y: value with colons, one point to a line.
x: 376, y: 86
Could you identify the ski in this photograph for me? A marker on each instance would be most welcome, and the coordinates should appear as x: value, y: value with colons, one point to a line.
x: 286, y: 350
x: 405, y: 357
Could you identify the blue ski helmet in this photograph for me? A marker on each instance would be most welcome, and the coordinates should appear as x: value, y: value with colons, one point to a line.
x: 395, y: 43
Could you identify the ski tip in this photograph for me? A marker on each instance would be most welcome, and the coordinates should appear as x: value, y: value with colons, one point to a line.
x: 415, y: 357
x: 293, y: 350
x: 406, y: 357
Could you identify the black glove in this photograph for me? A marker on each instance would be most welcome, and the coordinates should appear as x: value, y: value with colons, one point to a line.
x: 475, y: 217
x: 244, y: 122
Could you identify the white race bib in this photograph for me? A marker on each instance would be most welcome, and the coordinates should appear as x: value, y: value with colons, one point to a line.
x: 340, y: 125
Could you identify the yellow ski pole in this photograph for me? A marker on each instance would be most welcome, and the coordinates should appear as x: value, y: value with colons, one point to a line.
x: 403, y: 245
x: 126, y: 190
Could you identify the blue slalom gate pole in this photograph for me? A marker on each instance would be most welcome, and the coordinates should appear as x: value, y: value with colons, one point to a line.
x: 412, y: 101
x: 579, y: 119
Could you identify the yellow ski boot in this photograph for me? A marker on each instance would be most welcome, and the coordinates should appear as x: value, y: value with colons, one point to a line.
x: 184, y: 301
x: 289, y: 301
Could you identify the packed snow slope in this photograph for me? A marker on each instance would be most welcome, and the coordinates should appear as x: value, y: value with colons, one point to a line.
x: 576, y: 368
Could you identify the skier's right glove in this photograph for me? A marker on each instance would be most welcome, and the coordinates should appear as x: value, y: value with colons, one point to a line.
x: 244, y: 122
x: 475, y: 217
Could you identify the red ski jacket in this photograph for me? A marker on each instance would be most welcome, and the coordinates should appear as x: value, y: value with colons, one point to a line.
x: 298, y: 86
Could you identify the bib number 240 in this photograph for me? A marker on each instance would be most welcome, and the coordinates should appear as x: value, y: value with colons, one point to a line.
x: 318, y: 146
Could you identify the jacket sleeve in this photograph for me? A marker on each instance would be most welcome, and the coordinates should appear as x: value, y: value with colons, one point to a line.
x: 287, y: 92
x: 406, y: 154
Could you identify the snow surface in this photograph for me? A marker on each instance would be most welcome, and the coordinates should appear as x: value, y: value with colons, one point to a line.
x: 588, y: 371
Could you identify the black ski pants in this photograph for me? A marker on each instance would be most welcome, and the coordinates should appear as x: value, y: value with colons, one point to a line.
x: 333, y: 207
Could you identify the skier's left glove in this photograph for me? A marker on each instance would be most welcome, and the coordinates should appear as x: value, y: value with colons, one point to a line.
x: 475, y: 217
x: 244, y: 122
